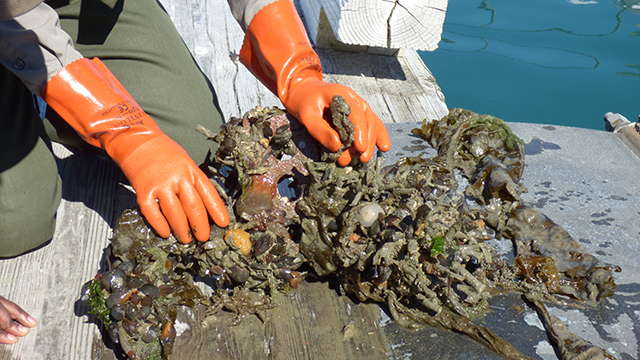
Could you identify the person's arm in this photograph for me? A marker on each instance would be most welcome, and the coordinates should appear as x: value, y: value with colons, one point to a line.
x: 12, y: 8
x: 174, y: 195
x: 14, y: 322
x: 172, y: 192
x: 34, y: 47
x: 244, y: 10
x: 277, y: 51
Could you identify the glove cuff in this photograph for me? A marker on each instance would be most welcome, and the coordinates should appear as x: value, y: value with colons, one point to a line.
x: 90, y: 98
x: 277, y: 51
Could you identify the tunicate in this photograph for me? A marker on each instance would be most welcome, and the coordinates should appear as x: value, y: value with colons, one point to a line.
x: 369, y: 213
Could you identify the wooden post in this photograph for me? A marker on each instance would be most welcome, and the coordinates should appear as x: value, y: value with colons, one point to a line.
x: 377, y: 26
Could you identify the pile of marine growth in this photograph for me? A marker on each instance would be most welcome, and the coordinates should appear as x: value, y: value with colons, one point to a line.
x: 411, y: 235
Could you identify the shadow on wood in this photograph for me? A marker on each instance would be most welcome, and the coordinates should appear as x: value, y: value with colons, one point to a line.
x: 361, y: 64
x: 311, y: 322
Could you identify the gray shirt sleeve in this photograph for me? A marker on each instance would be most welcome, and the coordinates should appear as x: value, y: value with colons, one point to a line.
x: 13, y: 8
x: 244, y: 10
x: 34, y: 47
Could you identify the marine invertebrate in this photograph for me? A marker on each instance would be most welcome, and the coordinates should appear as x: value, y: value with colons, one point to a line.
x: 369, y: 214
x: 240, y: 239
x: 407, y: 235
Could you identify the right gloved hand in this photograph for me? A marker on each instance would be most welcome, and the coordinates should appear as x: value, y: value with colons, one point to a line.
x: 172, y: 192
x: 277, y: 51
x: 307, y: 100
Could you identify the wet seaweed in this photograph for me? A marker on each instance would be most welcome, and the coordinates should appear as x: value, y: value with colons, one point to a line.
x: 411, y: 235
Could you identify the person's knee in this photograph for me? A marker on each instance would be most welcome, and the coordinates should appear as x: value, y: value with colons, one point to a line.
x: 26, y: 230
x: 28, y: 206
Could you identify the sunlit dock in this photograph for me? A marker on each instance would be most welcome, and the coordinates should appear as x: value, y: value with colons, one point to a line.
x: 585, y: 180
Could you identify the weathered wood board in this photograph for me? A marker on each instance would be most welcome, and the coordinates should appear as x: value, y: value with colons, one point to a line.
x: 375, y: 25
x: 47, y: 281
x: 313, y: 322
x: 398, y: 88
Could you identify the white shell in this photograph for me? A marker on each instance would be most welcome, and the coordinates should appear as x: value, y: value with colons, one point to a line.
x: 369, y: 214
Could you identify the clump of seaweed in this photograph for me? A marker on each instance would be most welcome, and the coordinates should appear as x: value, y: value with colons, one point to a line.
x: 425, y: 255
x: 412, y: 235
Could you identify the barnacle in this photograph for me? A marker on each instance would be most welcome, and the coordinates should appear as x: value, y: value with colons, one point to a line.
x: 407, y: 235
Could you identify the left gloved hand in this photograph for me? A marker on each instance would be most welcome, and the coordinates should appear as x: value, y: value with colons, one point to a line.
x: 277, y: 51
x: 172, y: 192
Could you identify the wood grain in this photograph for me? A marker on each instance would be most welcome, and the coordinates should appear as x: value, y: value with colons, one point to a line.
x: 310, y: 323
x: 400, y: 24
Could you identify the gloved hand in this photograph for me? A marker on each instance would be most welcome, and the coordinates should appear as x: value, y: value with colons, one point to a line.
x: 277, y: 51
x: 172, y: 192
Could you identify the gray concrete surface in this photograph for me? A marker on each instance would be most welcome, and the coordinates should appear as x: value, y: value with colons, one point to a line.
x: 585, y: 181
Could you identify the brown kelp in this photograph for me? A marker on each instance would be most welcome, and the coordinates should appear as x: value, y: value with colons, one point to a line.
x: 412, y: 235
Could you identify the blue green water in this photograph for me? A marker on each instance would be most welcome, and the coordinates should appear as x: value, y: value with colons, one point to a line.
x: 563, y: 62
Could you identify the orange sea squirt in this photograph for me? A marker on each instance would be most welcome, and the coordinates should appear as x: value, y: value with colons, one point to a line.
x: 241, y: 239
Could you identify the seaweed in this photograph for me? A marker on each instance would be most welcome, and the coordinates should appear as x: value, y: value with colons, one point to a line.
x: 410, y: 235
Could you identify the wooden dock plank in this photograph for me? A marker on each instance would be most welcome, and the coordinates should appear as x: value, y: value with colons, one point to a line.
x: 376, y: 24
x: 309, y: 322
x: 46, y: 282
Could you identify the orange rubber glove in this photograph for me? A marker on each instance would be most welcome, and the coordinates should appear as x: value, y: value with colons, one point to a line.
x: 277, y: 51
x: 172, y: 192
